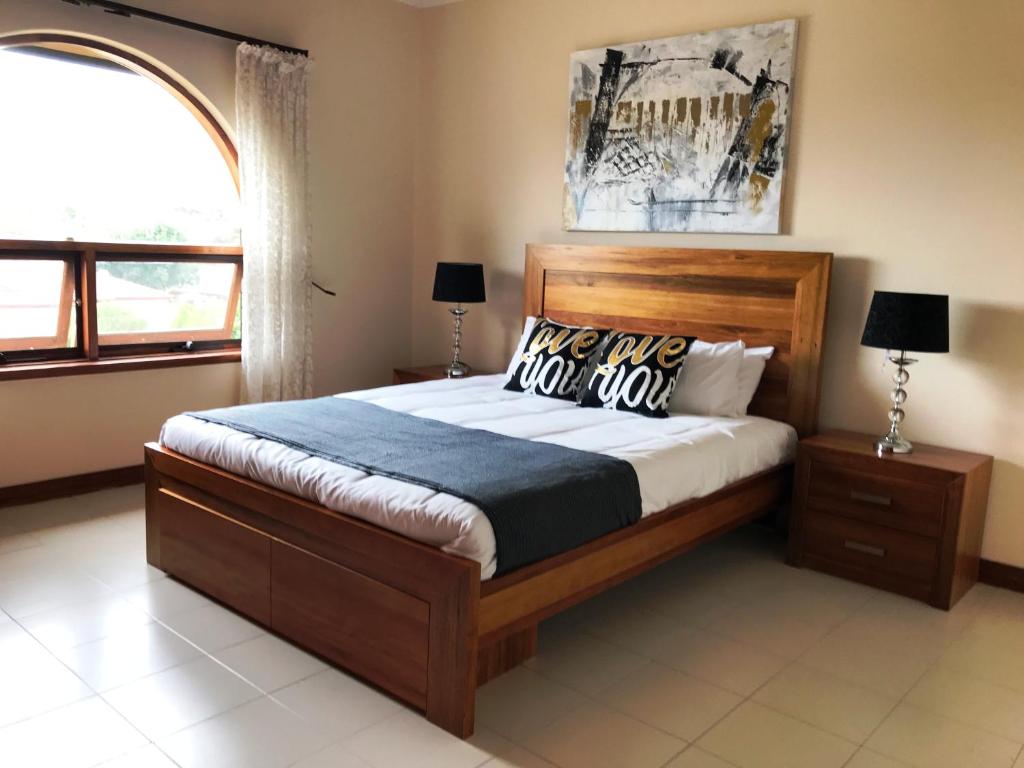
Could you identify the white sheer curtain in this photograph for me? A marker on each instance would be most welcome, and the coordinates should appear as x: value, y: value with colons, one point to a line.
x: 271, y: 92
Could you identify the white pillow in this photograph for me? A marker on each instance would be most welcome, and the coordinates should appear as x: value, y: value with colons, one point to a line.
x: 709, y: 382
x: 751, y: 370
x: 514, y: 362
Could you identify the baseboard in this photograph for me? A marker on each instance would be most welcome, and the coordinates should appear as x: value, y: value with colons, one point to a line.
x: 1001, y: 575
x: 70, y: 486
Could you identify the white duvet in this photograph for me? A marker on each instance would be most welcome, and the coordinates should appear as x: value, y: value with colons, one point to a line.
x: 678, y: 458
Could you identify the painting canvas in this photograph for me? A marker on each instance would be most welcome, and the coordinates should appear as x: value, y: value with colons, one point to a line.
x: 684, y: 134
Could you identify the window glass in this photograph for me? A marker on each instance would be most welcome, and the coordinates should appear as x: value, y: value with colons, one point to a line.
x: 159, y: 300
x: 36, y: 304
x: 95, y: 152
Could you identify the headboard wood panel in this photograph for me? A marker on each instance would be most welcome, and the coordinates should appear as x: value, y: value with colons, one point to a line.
x: 776, y: 298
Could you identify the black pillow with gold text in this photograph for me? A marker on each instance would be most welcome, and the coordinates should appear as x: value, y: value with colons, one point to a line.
x: 554, y: 360
x: 637, y: 373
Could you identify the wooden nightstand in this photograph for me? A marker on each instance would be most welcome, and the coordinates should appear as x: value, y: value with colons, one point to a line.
x: 910, y: 523
x: 426, y: 373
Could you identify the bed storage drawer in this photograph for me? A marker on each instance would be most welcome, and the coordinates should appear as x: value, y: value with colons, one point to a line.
x: 226, y: 559
x: 870, y: 548
x: 367, y: 627
x: 909, y: 506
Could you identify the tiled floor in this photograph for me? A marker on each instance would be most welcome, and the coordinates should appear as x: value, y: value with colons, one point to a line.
x: 724, y: 657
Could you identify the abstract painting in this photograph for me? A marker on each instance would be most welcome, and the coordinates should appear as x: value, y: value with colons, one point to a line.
x: 683, y: 134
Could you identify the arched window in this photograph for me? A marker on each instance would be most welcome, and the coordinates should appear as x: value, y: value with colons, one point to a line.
x: 119, y: 208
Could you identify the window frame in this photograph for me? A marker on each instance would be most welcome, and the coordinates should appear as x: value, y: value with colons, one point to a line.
x: 78, y: 294
x: 69, y: 303
x: 128, y: 342
x: 89, y: 355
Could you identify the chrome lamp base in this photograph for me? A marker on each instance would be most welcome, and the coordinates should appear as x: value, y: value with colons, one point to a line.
x: 894, y: 442
x: 456, y: 369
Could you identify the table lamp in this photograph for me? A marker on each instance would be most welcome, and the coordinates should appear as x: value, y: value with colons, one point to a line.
x: 901, y: 323
x: 458, y: 284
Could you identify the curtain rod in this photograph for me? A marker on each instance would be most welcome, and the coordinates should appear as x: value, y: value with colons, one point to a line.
x: 120, y: 9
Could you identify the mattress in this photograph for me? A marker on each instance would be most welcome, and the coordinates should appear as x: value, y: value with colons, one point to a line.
x: 676, y: 459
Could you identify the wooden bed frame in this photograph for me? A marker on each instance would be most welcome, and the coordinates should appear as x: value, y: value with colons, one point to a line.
x: 417, y: 622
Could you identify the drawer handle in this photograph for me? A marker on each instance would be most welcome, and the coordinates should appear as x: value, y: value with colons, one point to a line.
x: 871, y: 498
x: 867, y: 549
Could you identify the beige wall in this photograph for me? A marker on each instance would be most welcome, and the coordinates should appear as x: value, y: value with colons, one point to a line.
x: 906, y: 162
x: 362, y: 105
x: 61, y: 427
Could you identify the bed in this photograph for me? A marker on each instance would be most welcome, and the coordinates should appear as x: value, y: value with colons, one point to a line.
x: 422, y: 620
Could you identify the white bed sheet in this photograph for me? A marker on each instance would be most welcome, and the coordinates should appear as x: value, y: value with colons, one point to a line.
x: 676, y: 459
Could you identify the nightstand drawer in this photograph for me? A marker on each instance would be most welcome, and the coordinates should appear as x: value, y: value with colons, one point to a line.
x: 909, y: 506
x: 870, y: 548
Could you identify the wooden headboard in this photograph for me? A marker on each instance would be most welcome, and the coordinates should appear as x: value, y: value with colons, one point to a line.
x: 765, y: 298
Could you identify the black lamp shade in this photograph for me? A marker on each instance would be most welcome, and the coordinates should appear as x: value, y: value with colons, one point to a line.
x: 909, y: 322
x: 458, y: 283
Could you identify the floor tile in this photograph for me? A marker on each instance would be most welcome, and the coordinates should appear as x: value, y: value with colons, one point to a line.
x: 695, y: 757
x: 860, y: 655
x: 972, y: 701
x: 24, y: 562
x: 1000, y: 603
x: 594, y: 736
x: 259, y: 734
x: 164, y: 598
x: 688, y: 603
x: 716, y: 659
x: 782, y: 632
x: 123, y: 571
x: 757, y: 737
x: 672, y: 701
x: 335, y: 756
x: 521, y: 702
x: 865, y: 758
x: 584, y: 663
x: 54, y: 588
x: 32, y: 681
x: 71, y: 625
x: 750, y: 580
x: 15, y: 639
x: 991, y: 651
x: 826, y: 701
x: 13, y: 542
x: 927, y: 740
x: 177, y: 698
x: 911, y: 619
x: 636, y: 630
x: 338, y: 702
x: 148, y: 757
x: 76, y: 736
x: 407, y: 739
x: 825, y: 596
x: 212, y: 627
x: 269, y: 663
x: 83, y: 539
x: 609, y: 604
x: 128, y: 655
x: 517, y: 758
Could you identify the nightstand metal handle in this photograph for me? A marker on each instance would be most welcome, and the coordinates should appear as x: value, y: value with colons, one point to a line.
x: 871, y: 498
x: 867, y: 549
